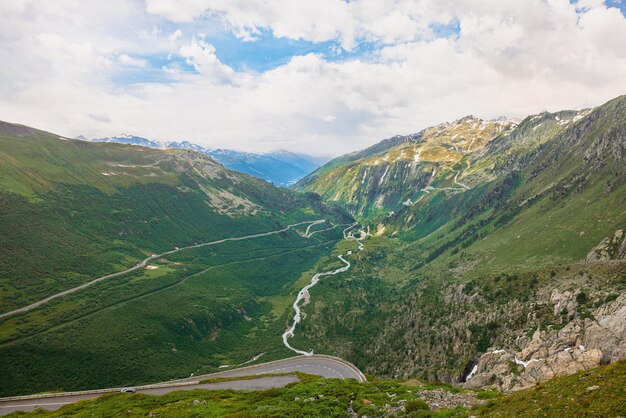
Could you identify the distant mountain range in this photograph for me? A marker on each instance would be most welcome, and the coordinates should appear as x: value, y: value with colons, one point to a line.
x: 281, y: 168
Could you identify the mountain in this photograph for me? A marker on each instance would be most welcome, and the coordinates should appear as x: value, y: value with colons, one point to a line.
x: 390, y: 174
x: 72, y: 211
x: 282, y: 168
x: 495, y: 248
x: 268, y: 167
x: 493, y: 257
x: 126, y: 139
x: 306, y: 163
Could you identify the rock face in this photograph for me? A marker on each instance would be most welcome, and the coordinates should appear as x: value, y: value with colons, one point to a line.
x: 394, y: 173
x: 581, y: 344
x: 439, y: 399
x: 610, y: 248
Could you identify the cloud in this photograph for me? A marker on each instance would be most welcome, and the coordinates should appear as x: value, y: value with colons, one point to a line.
x: 66, y: 68
x: 175, y: 35
x: 201, y: 55
x: 132, y: 62
x: 99, y: 118
x: 322, y: 20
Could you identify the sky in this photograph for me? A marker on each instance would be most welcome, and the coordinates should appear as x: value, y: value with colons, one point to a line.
x: 322, y: 77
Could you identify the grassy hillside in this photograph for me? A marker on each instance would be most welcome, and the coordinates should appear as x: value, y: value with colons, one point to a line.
x: 563, y: 397
x: 472, y: 267
x: 385, y: 177
x: 595, y: 393
x: 72, y: 211
x: 195, y: 312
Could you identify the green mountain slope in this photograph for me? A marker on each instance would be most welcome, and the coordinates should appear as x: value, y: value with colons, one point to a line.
x: 72, y: 211
x: 490, y: 254
x: 387, y: 176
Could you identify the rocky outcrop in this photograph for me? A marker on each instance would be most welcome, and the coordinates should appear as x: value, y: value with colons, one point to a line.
x: 581, y: 344
x: 610, y: 248
x: 443, y: 399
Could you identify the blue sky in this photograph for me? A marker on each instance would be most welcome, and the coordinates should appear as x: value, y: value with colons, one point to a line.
x: 268, y: 52
x: 323, y: 77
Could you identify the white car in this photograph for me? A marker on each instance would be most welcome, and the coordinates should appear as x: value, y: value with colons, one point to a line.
x: 128, y: 390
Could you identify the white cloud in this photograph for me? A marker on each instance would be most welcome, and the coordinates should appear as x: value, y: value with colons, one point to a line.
x: 132, y: 62
x: 201, y: 55
x: 175, y: 35
x: 511, y: 58
x: 318, y: 21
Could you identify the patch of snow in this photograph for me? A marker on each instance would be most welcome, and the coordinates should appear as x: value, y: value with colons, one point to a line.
x: 525, y: 363
x: 472, y: 373
x: 581, y: 115
x: 383, y: 177
x: 416, y: 159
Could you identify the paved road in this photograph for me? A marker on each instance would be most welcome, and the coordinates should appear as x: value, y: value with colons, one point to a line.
x: 325, y: 366
x: 57, y: 402
x: 143, y: 264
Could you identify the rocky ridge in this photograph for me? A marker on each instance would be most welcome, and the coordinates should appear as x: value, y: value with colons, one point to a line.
x: 581, y: 344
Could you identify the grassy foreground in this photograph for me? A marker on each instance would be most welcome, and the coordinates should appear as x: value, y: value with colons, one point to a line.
x: 598, y: 392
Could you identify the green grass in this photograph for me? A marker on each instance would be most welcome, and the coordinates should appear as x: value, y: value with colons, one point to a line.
x: 312, y: 397
x: 63, y: 222
x: 209, y: 310
x: 567, y: 396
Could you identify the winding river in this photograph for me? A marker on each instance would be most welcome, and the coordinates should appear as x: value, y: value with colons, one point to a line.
x: 304, y: 292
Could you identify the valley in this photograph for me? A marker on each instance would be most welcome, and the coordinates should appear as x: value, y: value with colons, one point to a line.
x: 203, y: 261
x: 304, y: 295
x: 484, y: 235
x: 488, y: 255
x: 347, y: 208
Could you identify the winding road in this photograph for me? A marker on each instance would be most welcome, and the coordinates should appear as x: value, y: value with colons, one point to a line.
x: 145, y: 262
x: 325, y: 366
x: 428, y: 189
